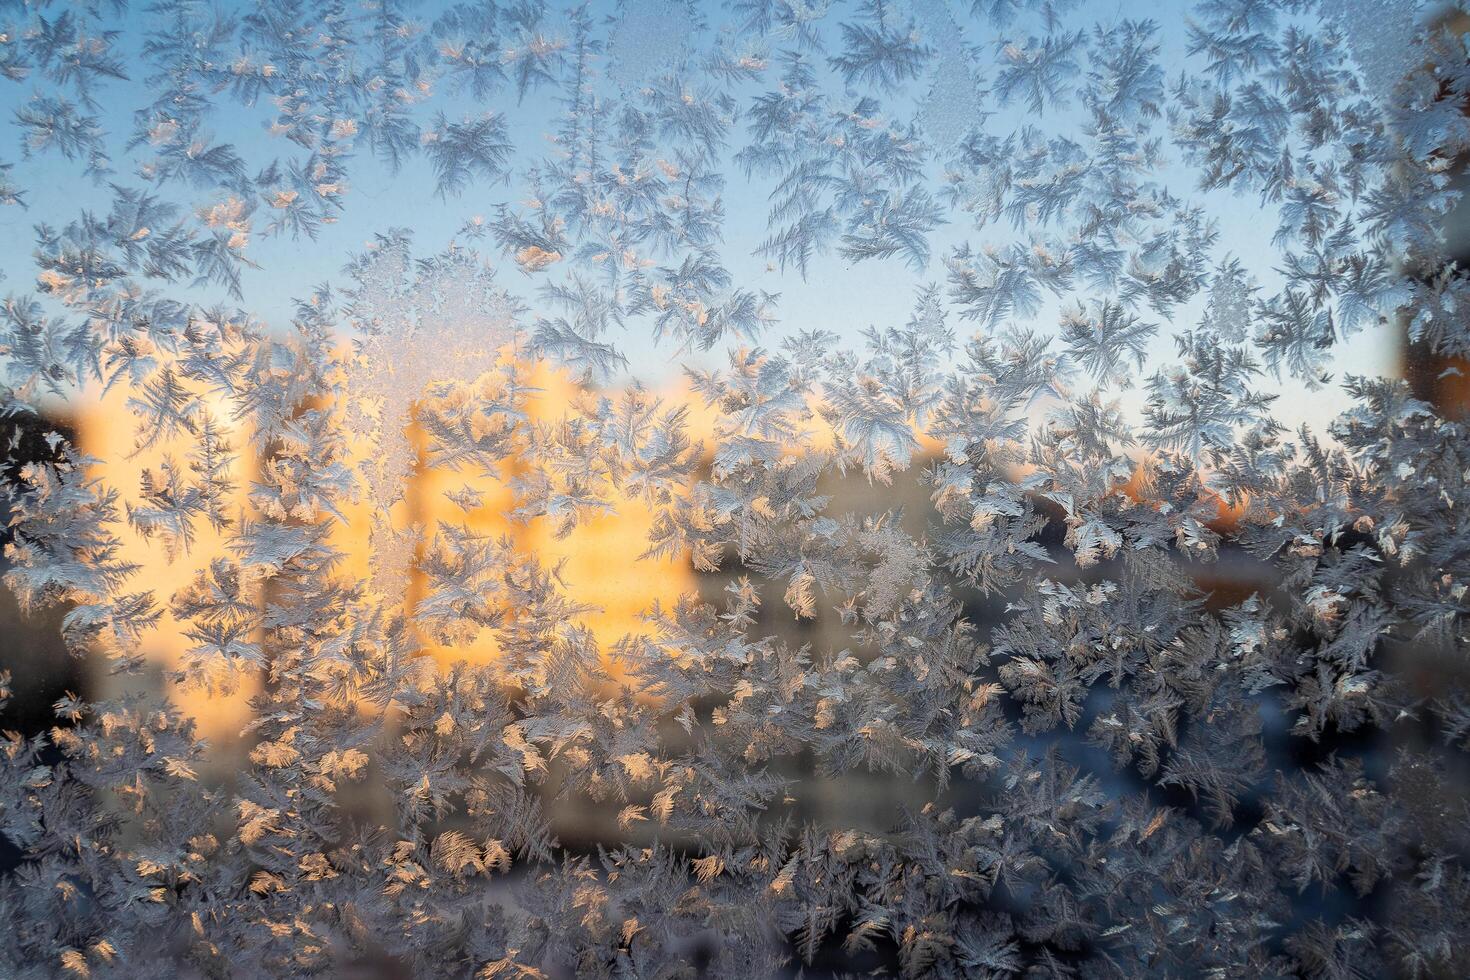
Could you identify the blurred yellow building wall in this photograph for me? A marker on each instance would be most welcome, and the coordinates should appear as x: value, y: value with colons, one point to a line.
x: 599, y: 559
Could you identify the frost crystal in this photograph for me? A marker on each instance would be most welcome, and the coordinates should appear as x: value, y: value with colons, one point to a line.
x: 648, y: 39
x: 955, y: 103
x: 871, y: 487
x: 1380, y: 34
x: 439, y: 321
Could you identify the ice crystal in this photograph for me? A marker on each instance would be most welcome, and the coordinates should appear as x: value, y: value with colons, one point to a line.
x: 647, y: 40
x: 893, y: 487
x: 438, y: 321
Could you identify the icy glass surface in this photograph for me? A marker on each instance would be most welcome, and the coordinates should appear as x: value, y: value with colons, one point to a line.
x: 667, y: 488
